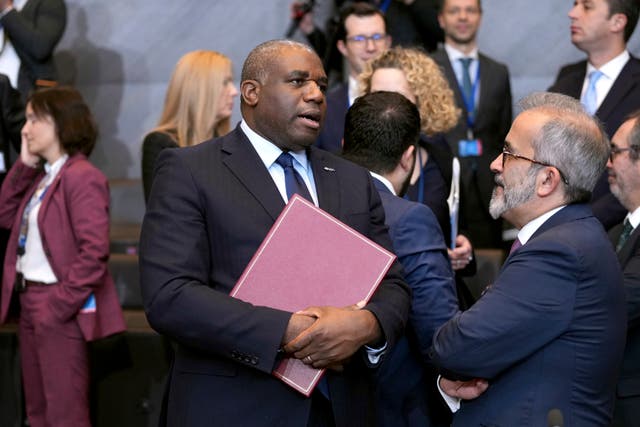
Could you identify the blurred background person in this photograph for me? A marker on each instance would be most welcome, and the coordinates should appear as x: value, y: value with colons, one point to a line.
x: 32, y: 29
x: 197, y: 107
x: 360, y: 36
x: 607, y: 82
x: 623, y: 169
x: 57, y: 206
x: 483, y: 93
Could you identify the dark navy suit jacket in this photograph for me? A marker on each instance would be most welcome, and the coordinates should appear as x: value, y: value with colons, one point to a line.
x: 330, y: 137
x: 628, y: 391
x: 405, y: 386
x: 623, y: 99
x: 549, y: 333
x: 209, y: 210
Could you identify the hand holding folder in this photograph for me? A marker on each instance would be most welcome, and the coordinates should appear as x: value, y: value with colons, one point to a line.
x: 310, y: 260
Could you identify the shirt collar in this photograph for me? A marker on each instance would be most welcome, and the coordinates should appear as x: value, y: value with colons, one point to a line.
x: 532, y: 226
x: 354, y: 90
x: 612, y: 69
x: 52, y: 170
x: 385, y: 181
x: 455, y: 54
x: 634, y: 217
x: 268, y: 151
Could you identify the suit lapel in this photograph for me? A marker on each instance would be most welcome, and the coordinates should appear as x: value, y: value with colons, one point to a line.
x: 628, y: 249
x: 325, y: 175
x: 243, y: 162
x: 626, y: 80
x: 568, y: 213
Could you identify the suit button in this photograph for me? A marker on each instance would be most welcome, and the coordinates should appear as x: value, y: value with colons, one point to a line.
x: 254, y: 360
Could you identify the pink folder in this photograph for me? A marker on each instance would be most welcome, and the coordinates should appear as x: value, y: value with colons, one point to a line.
x: 309, y: 258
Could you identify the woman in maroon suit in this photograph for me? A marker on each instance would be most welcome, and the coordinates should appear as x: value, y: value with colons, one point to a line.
x: 57, y: 206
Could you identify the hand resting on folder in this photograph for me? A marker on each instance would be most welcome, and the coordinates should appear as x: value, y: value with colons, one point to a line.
x: 335, y: 335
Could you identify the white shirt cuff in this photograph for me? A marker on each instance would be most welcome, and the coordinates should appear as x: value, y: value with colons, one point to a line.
x: 452, y: 402
x: 375, y: 354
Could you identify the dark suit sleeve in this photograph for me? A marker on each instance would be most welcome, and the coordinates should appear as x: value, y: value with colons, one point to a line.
x: 529, y: 305
x: 419, y: 245
x: 35, y: 40
x: 631, y: 273
x: 506, y: 113
x: 391, y: 301
x: 176, y: 267
x: 152, y: 145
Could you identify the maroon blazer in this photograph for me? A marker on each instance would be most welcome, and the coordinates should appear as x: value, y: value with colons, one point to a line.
x: 74, y: 227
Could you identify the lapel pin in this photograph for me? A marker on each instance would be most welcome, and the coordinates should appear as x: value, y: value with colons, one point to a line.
x: 328, y: 169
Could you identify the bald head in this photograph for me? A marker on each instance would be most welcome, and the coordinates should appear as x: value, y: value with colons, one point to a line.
x: 256, y: 66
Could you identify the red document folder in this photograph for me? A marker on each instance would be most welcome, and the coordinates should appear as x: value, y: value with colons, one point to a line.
x: 309, y: 258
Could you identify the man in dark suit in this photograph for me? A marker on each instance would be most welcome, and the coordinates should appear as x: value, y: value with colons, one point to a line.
x: 624, y: 179
x: 210, y: 208
x: 361, y: 35
x: 32, y: 29
x: 483, y: 93
x: 607, y: 82
x: 549, y: 333
x: 381, y: 134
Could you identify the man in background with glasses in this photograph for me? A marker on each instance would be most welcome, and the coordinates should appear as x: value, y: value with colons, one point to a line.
x: 624, y: 180
x: 361, y: 35
x: 547, y: 336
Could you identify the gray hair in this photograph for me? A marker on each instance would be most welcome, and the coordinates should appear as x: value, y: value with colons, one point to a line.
x: 256, y: 65
x: 571, y: 140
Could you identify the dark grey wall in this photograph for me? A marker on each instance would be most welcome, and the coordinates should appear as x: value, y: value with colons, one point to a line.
x: 120, y: 53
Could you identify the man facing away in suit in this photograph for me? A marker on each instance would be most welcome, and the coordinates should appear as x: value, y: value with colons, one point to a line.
x: 361, y: 35
x: 607, y: 82
x: 549, y: 332
x: 624, y: 180
x: 210, y: 209
x: 483, y: 93
x: 382, y: 130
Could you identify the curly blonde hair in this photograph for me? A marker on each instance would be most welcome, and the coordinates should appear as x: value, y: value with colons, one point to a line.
x: 434, y: 97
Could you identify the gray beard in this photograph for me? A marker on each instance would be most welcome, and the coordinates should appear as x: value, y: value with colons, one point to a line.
x: 513, y: 196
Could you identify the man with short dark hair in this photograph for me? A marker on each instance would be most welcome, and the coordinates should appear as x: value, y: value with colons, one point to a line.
x: 381, y: 134
x: 210, y: 208
x: 624, y: 180
x: 361, y: 35
x: 549, y: 333
x: 607, y: 82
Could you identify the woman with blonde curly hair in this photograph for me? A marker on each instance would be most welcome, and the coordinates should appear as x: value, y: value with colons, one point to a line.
x: 416, y: 76
x: 197, y: 107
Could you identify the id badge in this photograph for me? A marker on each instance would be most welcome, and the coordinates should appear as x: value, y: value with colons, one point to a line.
x: 470, y: 148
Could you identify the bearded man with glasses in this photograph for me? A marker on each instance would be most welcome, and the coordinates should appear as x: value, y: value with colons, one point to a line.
x: 547, y: 337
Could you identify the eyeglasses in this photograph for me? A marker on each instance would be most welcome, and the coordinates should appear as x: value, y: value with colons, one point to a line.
x: 362, y: 40
x: 617, y: 150
x: 506, y: 152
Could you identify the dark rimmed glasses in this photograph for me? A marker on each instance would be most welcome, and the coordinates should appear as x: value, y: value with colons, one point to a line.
x: 506, y: 152
x: 617, y: 150
x: 362, y: 40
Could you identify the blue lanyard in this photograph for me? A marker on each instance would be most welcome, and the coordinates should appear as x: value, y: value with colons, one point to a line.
x: 24, y: 223
x: 470, y: 104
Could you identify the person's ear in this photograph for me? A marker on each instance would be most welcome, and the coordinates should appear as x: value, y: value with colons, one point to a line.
x: 548, y: 181
x: 250, y: 92
x: 618, y: 22
x: 342, y: 47
x: 408, y: 158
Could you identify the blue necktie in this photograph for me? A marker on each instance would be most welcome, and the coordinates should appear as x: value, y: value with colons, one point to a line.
x: 292, y: 180
x: 466, y: 79
x: 590, y: 98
